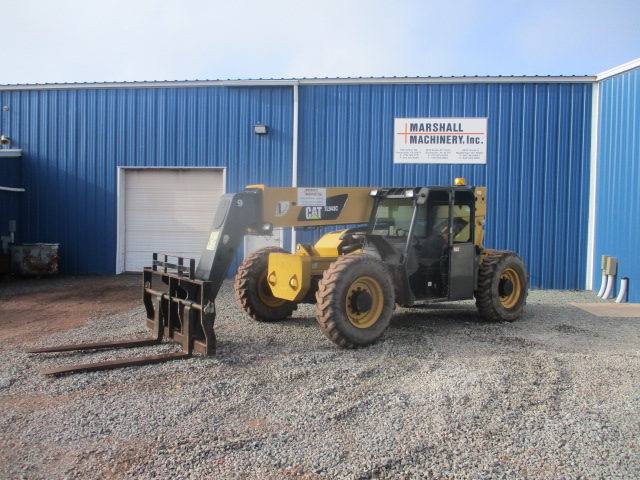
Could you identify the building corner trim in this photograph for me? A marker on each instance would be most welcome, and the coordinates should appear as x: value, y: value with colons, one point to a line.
x: 593, y: 181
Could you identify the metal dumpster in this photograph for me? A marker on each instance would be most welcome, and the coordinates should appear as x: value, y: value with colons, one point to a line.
x: 34, y: 258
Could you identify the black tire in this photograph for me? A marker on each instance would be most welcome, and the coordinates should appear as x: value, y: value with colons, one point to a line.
x: 355, y: 300
x: 502, y: 287
x: 253, y: 293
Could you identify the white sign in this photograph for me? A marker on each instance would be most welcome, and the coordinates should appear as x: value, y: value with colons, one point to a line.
x: 312, y: 197
x: 440, y: 140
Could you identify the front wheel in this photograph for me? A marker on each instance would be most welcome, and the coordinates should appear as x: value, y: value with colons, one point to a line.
x: 355, y: 300
x: 253, y: 293
x: 502, y: 287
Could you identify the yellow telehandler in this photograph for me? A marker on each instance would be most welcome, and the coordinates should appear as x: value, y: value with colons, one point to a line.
x: 409, y: 246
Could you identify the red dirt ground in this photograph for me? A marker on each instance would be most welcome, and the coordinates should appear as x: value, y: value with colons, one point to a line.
x: 35, y: 307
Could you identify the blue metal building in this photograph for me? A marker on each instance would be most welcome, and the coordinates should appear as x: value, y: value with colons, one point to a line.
x: 616, y: 172
x: 546, y: 139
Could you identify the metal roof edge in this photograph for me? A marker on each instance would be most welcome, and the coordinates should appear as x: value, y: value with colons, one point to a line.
x: 420, y: 80
x: 618, y: 70
x: 150, y: 84
x: 302, y: 81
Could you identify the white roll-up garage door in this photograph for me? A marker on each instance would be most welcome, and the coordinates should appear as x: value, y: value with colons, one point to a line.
x: 168, y: 211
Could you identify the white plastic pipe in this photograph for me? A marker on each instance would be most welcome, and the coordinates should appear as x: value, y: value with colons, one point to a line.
x: 604, y: 284
x: 624, y: 284
x: 610, y: 283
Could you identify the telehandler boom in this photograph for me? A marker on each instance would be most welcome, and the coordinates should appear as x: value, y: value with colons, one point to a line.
x: 411, y: 246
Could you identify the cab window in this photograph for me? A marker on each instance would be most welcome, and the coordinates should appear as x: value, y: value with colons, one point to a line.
x: 393, y: 217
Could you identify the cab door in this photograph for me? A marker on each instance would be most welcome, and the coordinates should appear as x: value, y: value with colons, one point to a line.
x: 462, y: 250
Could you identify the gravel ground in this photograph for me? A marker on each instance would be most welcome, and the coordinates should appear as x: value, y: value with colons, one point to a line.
x: 553, y: 395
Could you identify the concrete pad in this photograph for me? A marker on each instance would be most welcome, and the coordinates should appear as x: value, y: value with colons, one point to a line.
x: 621, y: 310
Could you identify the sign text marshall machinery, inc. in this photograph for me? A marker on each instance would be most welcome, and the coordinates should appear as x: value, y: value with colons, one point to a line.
x: 440, y: 140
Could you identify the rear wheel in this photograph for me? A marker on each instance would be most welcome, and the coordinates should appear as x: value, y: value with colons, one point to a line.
x: 502, y: 287
x: 355, y: 300
x: 253, y: 293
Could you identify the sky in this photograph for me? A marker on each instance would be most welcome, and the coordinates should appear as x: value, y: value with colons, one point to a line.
x: 72, y: 41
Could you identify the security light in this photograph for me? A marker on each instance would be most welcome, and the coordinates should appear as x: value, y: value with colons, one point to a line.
x: 260, y: 129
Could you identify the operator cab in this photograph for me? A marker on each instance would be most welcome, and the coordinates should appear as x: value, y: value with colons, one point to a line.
x: 426, y: 235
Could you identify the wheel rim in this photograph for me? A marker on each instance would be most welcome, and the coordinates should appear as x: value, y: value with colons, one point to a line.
x: 510, y: 288
x: 364, y: 302
x: 265, y: 294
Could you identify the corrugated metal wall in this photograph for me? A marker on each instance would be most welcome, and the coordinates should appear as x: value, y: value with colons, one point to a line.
x: 10, y: 210
x: 9, y: 201
x: 537, y: 170
x: 618, y: 179
x: 73, y: 140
